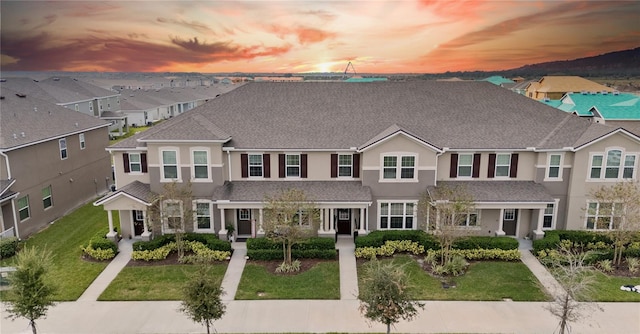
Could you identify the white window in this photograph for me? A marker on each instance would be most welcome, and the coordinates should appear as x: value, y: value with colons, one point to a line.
x: 170, y: 165
x: 138, y: 215
x: 470, y: 219
x: 293, y: 165
x: 200, y: 165
x: 173, y: 216
x: 616, y: 165
x: 396, y: 215
x: 62, y: 144
x: 244, y: 214
x: 613, y: 164
x: 547, y: 217
x: 23, y: 208
x: 255, y: 165
x: 135, y: 164
x: 596, y: 166
x: 47, y: 200
x: 77, y: 107
x: 82, y: 142
x: 344, y: 165
x: 203, y: 215
x: 603, y: 216
x: 553, y: 171
x: 465, y: 165
x: 509, y: 214
x: 503, y: 164
x: 629, y: 166
x: 403, y: 171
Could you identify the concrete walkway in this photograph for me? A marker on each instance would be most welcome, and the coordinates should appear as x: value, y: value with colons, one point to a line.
x: 232, y: 276
x: 348, y: 271
x: 554, y: 289
x: 103, y: 280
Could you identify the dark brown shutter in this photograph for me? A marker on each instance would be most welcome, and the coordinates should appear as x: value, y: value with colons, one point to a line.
x: 513, y: 168
x: 143, y: 162
x: 303, y: 166
x: 334, y: 165
x: 281, y: 165
x: 476, y: 165
x: 453, y: 169
x: 356, y: 165
x: 125, y: 159
x: 244, y: 164
x: 266, y: 165
x: 491, y: 172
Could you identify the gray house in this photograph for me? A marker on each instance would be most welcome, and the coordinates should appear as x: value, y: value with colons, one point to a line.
x: 366, y: 152
x: 52, y: 160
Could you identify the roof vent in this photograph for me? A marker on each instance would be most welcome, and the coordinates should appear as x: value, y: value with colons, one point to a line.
x: 615, y: 92
x: 76, y: 124
x: 21, y: 95
x: 604, y: 92
x: 34, y: 80
x: 583, y: 93
x: 1, y: 97
x: 35, y: 109
x: 56, y: 79
x: 22, y: 134
x: 594, y: 93
x: 3, y: 80
x: 15, y: 136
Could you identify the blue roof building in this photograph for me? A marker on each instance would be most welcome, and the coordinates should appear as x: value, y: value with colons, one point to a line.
x: 605, y: 105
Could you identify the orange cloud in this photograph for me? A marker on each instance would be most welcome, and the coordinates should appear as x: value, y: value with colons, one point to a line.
x: 305, y: 35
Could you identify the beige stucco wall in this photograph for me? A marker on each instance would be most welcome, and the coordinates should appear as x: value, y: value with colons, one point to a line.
x: 580, y: 186
x: 526, y: 166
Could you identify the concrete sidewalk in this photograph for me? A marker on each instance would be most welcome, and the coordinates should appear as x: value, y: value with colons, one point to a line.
x: 348, y: 270
x: 232, y: 276
x: 554, y: 289
x: 125, y: 247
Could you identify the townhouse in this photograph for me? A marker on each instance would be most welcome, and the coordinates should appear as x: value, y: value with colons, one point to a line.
x: 366, y: 153
x: 52, y: 160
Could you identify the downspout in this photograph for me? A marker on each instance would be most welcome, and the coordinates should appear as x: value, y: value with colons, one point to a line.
x: 6, y: 161
x: 229, y: 164
x: 13, y: 201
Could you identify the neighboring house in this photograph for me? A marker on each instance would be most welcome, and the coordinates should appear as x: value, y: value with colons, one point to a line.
x: 555, y: 87
x: 367, y: 152
x: 52, y: 160
x: 520, y: 87
x: 75, y: 95
x: 498, y: 80
x: 602, y: 106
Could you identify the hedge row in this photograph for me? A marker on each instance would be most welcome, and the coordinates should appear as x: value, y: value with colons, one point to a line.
x: 552, y: 239
x: 277, y: 254
x: 315, y: 243
x: 100, y: 241
x: 504, y: 243
x: 8, y: 247
x: 378, y: 238
x: 210, y: 240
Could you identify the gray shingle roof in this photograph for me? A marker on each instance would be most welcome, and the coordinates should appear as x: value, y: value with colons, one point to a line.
x: 320, y: 191
x: 37, y: 120
x: 501, y: 191
x: 136, y: 189
x: 4, y: 186
x: 337, y: 115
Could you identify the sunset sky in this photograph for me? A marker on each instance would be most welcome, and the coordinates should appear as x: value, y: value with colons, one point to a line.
x: 308, y: 36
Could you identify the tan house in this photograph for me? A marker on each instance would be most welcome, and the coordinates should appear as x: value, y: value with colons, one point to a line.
x: 367, y: 152
x: 52, y: 160
x: 555, y: 87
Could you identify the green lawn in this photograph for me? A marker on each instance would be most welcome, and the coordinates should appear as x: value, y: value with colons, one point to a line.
x: 486, y: 280
x: 162, y: 282
x: 319, y: 282
x: 607, y: 289
x: 71, y: 274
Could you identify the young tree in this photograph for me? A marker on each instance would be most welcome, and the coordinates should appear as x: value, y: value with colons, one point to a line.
x: 173, y: 207
x: 289, y: 217
x: 31, y: 290
x: 385, y: 294
x: 622, y: 202
x: 576, y: 279
x: 445, y: 210
x: 201, y: 298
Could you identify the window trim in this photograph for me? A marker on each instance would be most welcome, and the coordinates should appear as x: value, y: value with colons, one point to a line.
x: 26, y: 207
x: 552, y: 215
x: 287, y: 165
x: 468, y: 216
x: 50, y: 198
x: 83, y: 143
x: 196, y: 216
x: 261, y: 155
x: 131, y: 171
x: 504, y: 215
x: 508, y: 165
x: 547, y: 176
x: 597, y: 215
x: 194, y: 165
x: 398, y: 167
x: 621, y: 167
x: 350, y: 165
x: 414, y: 215
x: 459, y: 165
x: 63, y: 142
x: 241, y: 213
x: 177, y: 164
x: 165, y: 221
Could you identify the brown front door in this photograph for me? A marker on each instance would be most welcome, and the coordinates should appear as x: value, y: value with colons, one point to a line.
x: 138, y: 222
x: 244, y: 222
x: 344, y: 221
x: 509, y: 220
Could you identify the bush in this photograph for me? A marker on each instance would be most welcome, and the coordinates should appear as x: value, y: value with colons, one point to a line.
x: 277, y: 254
x: 263, y: 243
x: 100, y: 254
x: 8, y: 247
x: 606, y: 266
x: 504, y: 243
x: 551, y: 240
x: 378, y: 238
x: 208, y: 239
x: 307, y: 244
x: 99, y: 247
x: 202, y: 253
x: 316, y: 243
x: 481, y: 254
x: 389, y: 248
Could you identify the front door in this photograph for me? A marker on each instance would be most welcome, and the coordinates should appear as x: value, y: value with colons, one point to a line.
x: 510, y: 219
x: 244, y: 222
x: 344, y: 221
x: 138, y: 222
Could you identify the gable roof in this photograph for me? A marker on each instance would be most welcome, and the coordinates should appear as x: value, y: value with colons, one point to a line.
x: 609, y: 106
x: 60, y: 90
x: 498, y: 80
x: 391, y: 132
x: 29, y: 120
x: 563, y: 84
x: 136, y: 190
x: 596, y: 134
x: 338, y: 115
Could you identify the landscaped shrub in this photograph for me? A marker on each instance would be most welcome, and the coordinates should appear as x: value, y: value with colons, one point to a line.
x: 8, y: 247
x: 208, y: 239
x: 277, y: 254
x: 99, y: 247
x: 480, y: 254
x: 263, y: 243
x: 316, y: 243
x: 584, y: 237
x: 99, y: 254
x: 551, y: 240
x: 504, y: 243
x: 389, y: 248
x: 378, y: 238
x: 201, y: 253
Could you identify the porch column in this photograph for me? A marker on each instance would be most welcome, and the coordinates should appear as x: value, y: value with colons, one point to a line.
x: 538, y: 233
x: 321, y: 225
x: 112, y: 235
x: 15, y: 218
x: 362, y: 229
x: 222, y: 234
x: 331, y: 220
x: 260, y: 219
x: 146, y: 235
x: 500, y: 231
